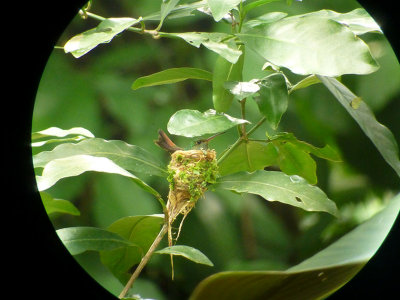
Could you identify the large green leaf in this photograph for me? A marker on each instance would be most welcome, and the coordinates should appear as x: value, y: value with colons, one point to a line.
x: 277, y: 186
x: 77, y: 164
x: 52, y: 205
x: 358, y: 20
x: 82, y: 43
x: 81, y: 239
x: 315, y: 278
x: 311, y: 45
x: 171, y: 76
x: 273, y: 98
x: 191, y: 123
x: 249, y: 156
x: 380, y: 135
x: 220, y: 8
x: 187, y: 252
x: 220, y: 43
x: 129, y: 157
x: 140, y: 230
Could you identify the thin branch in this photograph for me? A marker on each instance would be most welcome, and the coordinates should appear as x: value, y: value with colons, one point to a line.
x: 144, y: 260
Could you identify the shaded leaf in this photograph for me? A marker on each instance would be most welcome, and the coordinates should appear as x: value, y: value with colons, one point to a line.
x: 81, y: 239
x: 129, y: 157
x: 273, y: 98
x: 380, y: 135
x: 220, y: 8
x: 258, y: 3
x: 220, y: 43
x: 187, y: 252
x: 294, y: 161
x: 311, y: 45
x: 191, y: 123
x: 171, y: 76
x: 249, y: 156
x: 183, y: 10
x: 266, y: 18
x: 316, y: 277
x: 82, y: 43
x: 140, y: 230
x: 77, y: 164
x: 52, y: 205
x: 277, y: 186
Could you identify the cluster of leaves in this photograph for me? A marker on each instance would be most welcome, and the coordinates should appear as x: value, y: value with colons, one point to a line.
x: 285, y: 43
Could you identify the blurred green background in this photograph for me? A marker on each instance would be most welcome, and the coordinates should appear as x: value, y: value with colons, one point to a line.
x: 235, y: 232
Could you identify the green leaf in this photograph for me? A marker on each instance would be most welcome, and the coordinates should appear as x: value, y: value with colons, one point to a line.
x: 166, y: 7
x: 220, y: 43
x: 326, y: 152
x: 77, y: 164
x: 220, y: 8
x: 242, y: 90
x: 191, y: 123
x: 273, y: 98
x: 129, y: 157
x: 80, y: 239
x: 52, y: 205
x: 277, y: 186
x: 306, y: 82
x: 311, y: 45
x: 357, y: 20
x: 380, y: 135
x: 316, y: 278
x: 139, y: 230
x: 224, y: 71
x: 171, y: 76
x: 57, y: 132
x: 266, y: 18
x: 294, y: 161
x: 187, y: 252
x: 183, y: 10
x: 258, y: 3
x: 82, y: 43
x: 249, y: 156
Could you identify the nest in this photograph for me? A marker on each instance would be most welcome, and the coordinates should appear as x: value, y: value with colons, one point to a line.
x: 190, y: 172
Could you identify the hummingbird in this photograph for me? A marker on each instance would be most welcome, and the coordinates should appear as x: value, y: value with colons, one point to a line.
x: 165, y: 142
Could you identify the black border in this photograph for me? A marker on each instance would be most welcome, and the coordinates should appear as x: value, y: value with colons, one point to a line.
x: 36, y: 269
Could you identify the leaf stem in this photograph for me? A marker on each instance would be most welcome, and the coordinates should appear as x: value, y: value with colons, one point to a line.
x: 240, y: 140
x: 145, y: 259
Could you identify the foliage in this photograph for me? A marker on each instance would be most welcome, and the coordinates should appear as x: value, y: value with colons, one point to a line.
x: 265, y: 64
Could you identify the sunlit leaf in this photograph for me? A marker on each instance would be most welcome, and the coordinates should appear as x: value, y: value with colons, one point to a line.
x: 81, y: 239
x: 77, y: 164
x: 82, y: 43
x: 311, y: 45
x: 58, y: 132
x: 191, y: 123
x: 220, y: 43
x: 277, y: 186
x: 242, y: 90
x: 129, y: 157
x: 220, y: 8
x: 189, y: 253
